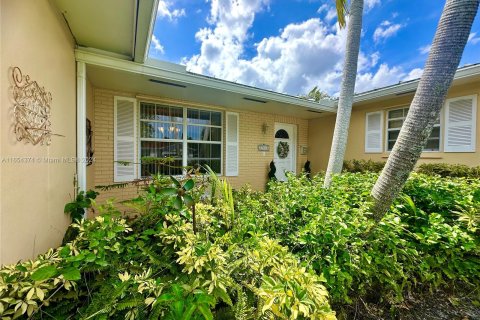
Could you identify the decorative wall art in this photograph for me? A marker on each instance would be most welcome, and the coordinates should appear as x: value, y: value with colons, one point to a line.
x: 31, y: 110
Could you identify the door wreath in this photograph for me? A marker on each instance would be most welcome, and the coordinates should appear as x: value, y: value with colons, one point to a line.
x: 282, y: 149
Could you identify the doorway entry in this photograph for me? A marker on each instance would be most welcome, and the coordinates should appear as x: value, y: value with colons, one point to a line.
x: 285, y: 156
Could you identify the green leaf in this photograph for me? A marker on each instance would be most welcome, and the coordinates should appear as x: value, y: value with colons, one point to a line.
x: 188, y: 200
x: 71, y: 273
x: 205, y: 310
x: 44, y: 273
x: 168, y: 191
x: 177, y: 203
x: 189, y: 184
x: 175, y: 181
x: 187, y: 315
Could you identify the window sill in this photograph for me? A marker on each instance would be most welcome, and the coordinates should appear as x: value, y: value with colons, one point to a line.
x: 421, y: 157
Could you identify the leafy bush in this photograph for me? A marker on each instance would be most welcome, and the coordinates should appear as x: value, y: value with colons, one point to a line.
x: 165, y: 270
x: 254, y: 255
x: 449, y: 170
x: 420, y: 243
x: 363, y: 166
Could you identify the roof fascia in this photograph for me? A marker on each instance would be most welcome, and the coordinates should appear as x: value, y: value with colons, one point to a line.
x: 193, y: 79
x: 410, y: 86
x: 145, y: 22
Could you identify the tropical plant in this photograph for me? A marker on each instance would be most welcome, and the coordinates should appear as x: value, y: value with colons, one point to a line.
x: 316, y: 95
x: 344, y: 109
x: 448, y: 44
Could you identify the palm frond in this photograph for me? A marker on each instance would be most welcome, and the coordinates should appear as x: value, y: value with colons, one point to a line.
x: 341, y: 11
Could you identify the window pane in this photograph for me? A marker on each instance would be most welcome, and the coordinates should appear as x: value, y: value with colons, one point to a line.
x: 201, y: 133
x: 393, y: 135
x: 216, y: 118
x: 147, y: 111
x: 166, y: 113
x: 204, y: 153
x: 432, y: 145
x: 435, y: 132
x: 395, y: 124
x: 147, y: 129
x: 397, y: 113
x: 169, y: 131
x: 157, y: 149
x: 390, y: 145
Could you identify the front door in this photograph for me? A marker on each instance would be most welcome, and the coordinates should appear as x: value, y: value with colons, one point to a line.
x: 284, y: 149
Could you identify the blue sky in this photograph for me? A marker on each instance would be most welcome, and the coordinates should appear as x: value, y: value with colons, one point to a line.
x: 292, y: 46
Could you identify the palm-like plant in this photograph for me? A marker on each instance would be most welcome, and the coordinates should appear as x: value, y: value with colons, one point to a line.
x: 445, y: 54
x: 347, y: 90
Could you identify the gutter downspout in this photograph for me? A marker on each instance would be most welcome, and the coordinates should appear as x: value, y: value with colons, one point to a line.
x: 81, y: 128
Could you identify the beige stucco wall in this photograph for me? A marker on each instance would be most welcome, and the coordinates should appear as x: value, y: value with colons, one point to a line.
x: 321, y: 131
x: 32, y: 195
x: 253, y: 164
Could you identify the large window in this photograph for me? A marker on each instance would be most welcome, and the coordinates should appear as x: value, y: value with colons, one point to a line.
x: 395, y: 119
x: 190, y: 137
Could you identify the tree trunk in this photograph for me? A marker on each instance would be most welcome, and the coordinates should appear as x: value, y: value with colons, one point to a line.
x: 344, y: 110
x: 445, y: 54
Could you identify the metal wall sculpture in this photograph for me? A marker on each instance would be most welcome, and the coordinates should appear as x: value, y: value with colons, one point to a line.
x: 31, y: 109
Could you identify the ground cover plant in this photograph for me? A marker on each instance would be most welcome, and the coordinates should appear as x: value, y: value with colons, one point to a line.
x: 288, y: 253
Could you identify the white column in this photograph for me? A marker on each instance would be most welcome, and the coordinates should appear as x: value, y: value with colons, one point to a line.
x: 81, y: 126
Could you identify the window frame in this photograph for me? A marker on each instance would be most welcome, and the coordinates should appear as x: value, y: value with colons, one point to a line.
x: 184, y: 139
x: 387, y: 119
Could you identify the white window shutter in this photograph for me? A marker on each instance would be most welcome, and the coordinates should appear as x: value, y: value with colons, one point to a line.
x: 124, y: 139
x: 373, y: 132
x: 231, y: 159
x: 460, y: 124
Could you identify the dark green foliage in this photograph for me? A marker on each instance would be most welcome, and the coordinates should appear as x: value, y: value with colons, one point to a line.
x: 363, y: 166
x: 76, y: 209
x: 449, y: 170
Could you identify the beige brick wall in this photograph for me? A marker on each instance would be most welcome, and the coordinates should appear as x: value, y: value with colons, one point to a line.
x: 253, y: 163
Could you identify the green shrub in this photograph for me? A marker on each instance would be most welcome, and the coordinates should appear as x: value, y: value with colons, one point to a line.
x: 420, y: 242
x: 363, y: 166
x: 165, y: 270
x: 449, y: 170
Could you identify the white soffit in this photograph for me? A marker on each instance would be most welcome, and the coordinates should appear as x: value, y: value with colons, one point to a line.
x: 156, y: 81
x: 111, y: 25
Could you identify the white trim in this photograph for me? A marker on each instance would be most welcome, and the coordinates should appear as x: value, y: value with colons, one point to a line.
x: 81, y: 127
x: 135, y: 138
x: 411, y: 86
x: 188, y: 78
x: 473, y: 121
x: 236, y: 171
x: 374, y: 150
x: 184, y: 141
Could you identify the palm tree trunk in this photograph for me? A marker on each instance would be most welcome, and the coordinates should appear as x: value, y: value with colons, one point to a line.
x: 344, y: 110
x: 447, y: 48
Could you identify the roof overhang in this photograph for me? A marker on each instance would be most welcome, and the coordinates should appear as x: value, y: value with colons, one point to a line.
x: 119, y: 28
x: 462, y: 76
x: 171, y: 81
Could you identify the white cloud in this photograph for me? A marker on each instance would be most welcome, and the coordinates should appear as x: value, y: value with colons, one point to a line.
x: 157, y: 46
x: 425, y: 49
x: 164, y: 11
x: 301, y: 56
x: 330, y: 12
x: 369, y: 4
x: 386, y: 30
x: 413, y: 74
x: 473, y: 39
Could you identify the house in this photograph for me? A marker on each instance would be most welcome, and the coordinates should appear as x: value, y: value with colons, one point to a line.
x: 92, y: 94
